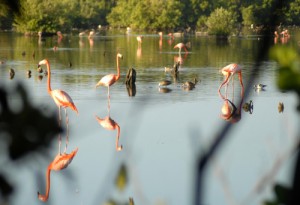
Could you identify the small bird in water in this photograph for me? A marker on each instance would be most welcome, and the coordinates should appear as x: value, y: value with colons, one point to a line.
x: 28, y: 73
x: 280, y: 107
x: 164, y: 83
x: 190, y: 84
x: 259, y: 86
x: 248, y: 107
x: 11, y: 73
x: 39, y: 69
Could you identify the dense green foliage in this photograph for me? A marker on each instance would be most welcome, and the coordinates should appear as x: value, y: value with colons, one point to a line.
x: 173, y: 15
x: 221, y: 27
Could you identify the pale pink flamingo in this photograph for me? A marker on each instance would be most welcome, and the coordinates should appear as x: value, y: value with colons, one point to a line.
x: 92, y: 34
x: 110, y: 79
x: 109, y: 124
x: 229, y: 71
x: 139, y: 40
x: 60, y: 97
x: 181, y: 46
x: 61, y: 161
x: 160, y: 39
x: 60, y: 36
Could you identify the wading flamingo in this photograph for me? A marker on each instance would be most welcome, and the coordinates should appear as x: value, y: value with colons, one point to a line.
x: 110, y: 79
x: 109, y: 124
x: 139, y: 40
x: 60, y: 97
x: 229, y: 71
x: 180, y: 46
x: 61, y: 161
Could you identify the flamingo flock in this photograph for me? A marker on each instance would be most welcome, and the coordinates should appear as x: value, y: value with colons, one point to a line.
x: 63, y: 100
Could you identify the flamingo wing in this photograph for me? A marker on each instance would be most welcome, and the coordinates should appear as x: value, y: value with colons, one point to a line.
x: 107, y: 80
x: 107, y: 123
x: 62, y: 161
x: 231, y: 68
x: 61, y: 98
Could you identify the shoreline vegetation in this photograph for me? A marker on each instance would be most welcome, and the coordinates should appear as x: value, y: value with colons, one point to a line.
x: 192, y: 17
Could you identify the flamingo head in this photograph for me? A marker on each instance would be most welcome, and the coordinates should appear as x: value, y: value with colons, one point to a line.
x: 42, y: 197
x: 119, y: 148
x: 120, y: 55
x: 42, y: 62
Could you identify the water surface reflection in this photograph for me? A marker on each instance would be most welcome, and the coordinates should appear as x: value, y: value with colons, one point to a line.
x: 160, y: 131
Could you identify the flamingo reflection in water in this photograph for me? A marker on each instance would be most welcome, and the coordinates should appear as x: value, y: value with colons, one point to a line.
x: 229, y: 111
x: 60, y: 97
x: 61, y: 161
x: 110, y: 79
x: 109, y: 124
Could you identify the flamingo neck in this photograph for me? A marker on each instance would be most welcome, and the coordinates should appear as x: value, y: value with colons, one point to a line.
x: 46, y: 196
x: 118, y: 148
x: 118, y: 68
x: 49, y: 77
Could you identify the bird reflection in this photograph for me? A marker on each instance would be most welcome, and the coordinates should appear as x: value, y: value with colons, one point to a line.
x: 164, y: 90
x: 280, y: 107
x: 60, y: 162
x: 109, y: 124
x: 248, y: 107
x: 229, y: 111
x: 179, y: 59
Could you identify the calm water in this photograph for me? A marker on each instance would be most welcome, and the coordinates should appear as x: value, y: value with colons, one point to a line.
x: 162, y: 133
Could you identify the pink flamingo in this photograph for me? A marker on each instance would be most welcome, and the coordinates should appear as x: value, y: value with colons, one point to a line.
x: 229, y: 71
x: 110, y: 79
x: 139, y: 38
x: 60, y: 97
x: 180, y: 46
x: 61, y: 161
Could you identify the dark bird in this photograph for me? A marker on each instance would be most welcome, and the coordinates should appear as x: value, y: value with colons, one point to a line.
x: 164, y: 83
x: 189, y: 84
x: 280, y: 107
x: 259, y: 86
x: 11, y: 73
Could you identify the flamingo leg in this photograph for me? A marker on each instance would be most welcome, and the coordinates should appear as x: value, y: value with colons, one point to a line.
x: 59, y: 136
x: 108, y: 99
x: 67, y: 137
x: 224, y: 82
x: 241, y: 79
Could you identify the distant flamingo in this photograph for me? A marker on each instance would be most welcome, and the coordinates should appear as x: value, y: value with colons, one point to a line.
x: 180, y: 46
x: 110, y: 79
x: 171, y: 38
x: 60, y: 97
x: 61, y: 161
x: 229, y: 71
x: 91, y: 34
x: 160, y: 40
x: 109, y: 124
x: 139, y: 39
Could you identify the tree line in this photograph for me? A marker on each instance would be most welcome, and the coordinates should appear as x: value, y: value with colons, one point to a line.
x: 214, y: 16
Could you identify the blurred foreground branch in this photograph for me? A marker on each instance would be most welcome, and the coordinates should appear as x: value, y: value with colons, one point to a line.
x: 23, y: 130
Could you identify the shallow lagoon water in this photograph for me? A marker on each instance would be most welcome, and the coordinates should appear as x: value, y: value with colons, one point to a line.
x: 162, y: 134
